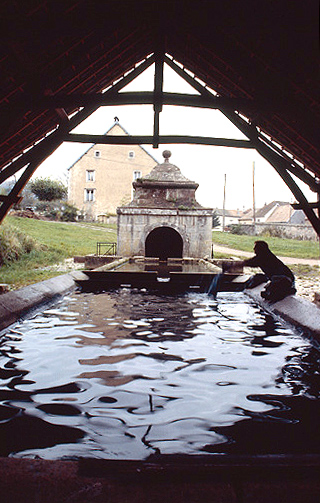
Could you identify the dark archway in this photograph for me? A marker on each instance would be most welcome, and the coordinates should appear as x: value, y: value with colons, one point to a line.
x: 164, y: 243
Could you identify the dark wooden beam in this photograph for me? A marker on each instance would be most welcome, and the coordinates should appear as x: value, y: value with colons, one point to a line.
x: 143, y: 98
x: 297, y: 206
x: 149, y: 140
x: 188, y: 78
x: 14, y: 196
x: 36, y: 155
x: 91, y: 101
x: 34, y: 100
x: 51, y: 142
x: 209, y: 100
x: 46, y: 147
x: 293, y: 167
x: 297, y: 192
x: 15, y: 200
x: 158, y: 89
x: 282, y: 165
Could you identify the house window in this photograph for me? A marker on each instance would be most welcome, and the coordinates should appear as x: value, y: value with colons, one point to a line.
x: 90, y: 175
x: 97, y: 154
x: 131, y: 154
x: 136, y: 175
x: 89, y: 194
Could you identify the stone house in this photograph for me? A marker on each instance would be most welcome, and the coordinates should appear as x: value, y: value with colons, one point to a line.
x: 101, y: 179
x: 279, y: 218
x: 276, y: 212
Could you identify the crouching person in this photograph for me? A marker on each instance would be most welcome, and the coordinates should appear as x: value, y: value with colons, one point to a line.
x: 280, y: 279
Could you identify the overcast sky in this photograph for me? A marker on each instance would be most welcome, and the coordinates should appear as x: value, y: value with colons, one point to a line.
x: 207, y: 165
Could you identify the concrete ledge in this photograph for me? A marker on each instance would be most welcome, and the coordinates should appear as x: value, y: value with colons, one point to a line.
x: 111, y: 265
x: 93, y: 261
x: 297, y: 311
x: 252, y: 480
x: 19, y: 303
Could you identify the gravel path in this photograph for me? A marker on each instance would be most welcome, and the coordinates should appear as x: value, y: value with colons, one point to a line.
x: 286, y: 260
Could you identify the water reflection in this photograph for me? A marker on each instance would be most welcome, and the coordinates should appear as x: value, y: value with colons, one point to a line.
x: 128, y: 374
x: 163, y: 268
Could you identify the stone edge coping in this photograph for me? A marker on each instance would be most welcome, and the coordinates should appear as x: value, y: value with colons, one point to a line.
x: 17, y: 304
x: 297, y: 311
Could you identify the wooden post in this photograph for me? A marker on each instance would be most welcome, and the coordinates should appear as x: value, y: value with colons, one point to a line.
x: 158, y: 87
x: 224, y: 204
x: 253, y: 200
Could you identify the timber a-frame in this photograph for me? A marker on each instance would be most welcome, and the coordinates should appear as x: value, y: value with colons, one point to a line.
x: 61, y: 61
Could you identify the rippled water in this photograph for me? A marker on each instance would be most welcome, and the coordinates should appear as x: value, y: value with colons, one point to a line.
x: 127, y: 375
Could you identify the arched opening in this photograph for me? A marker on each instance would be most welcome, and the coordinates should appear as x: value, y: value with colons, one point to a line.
x: 164, y: 243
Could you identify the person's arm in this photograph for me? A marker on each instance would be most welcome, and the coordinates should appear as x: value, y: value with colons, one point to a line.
x: 251, y: 262
x: 235, y: 265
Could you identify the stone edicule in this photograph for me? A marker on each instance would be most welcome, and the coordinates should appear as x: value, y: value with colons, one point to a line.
x: 164, y: 214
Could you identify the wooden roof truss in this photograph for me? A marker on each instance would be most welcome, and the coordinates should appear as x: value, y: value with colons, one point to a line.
x: 87, y: 103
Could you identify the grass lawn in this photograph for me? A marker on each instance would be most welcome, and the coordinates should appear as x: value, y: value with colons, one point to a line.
x: 59, y: 241
x: 68, y: 239
x: 279, y: 246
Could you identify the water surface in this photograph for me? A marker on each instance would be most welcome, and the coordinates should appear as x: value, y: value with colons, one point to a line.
x: 128, y: 375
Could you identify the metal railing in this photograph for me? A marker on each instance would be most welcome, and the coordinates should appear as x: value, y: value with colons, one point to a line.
x: 106, y: 248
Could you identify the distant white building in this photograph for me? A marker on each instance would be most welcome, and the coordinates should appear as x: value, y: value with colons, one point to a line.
x: 276, y: 212
x: 230, y: 217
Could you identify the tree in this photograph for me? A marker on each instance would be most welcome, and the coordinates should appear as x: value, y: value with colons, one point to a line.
x: 215, y: 219
x: 29, y: 200
x: 46, y: 189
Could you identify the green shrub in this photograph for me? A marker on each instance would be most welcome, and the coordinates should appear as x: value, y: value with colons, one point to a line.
x: 238, y: 229
x: 69, y: 213
x: 274, y: 232
x: 14, y: 244
x: 53, y: 214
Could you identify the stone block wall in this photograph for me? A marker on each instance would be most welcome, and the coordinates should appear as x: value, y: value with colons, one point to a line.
x: 291, y: 231
x: 135, y: 224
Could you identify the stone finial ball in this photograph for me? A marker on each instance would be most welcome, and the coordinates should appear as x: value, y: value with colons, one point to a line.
x: 166, y: 154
